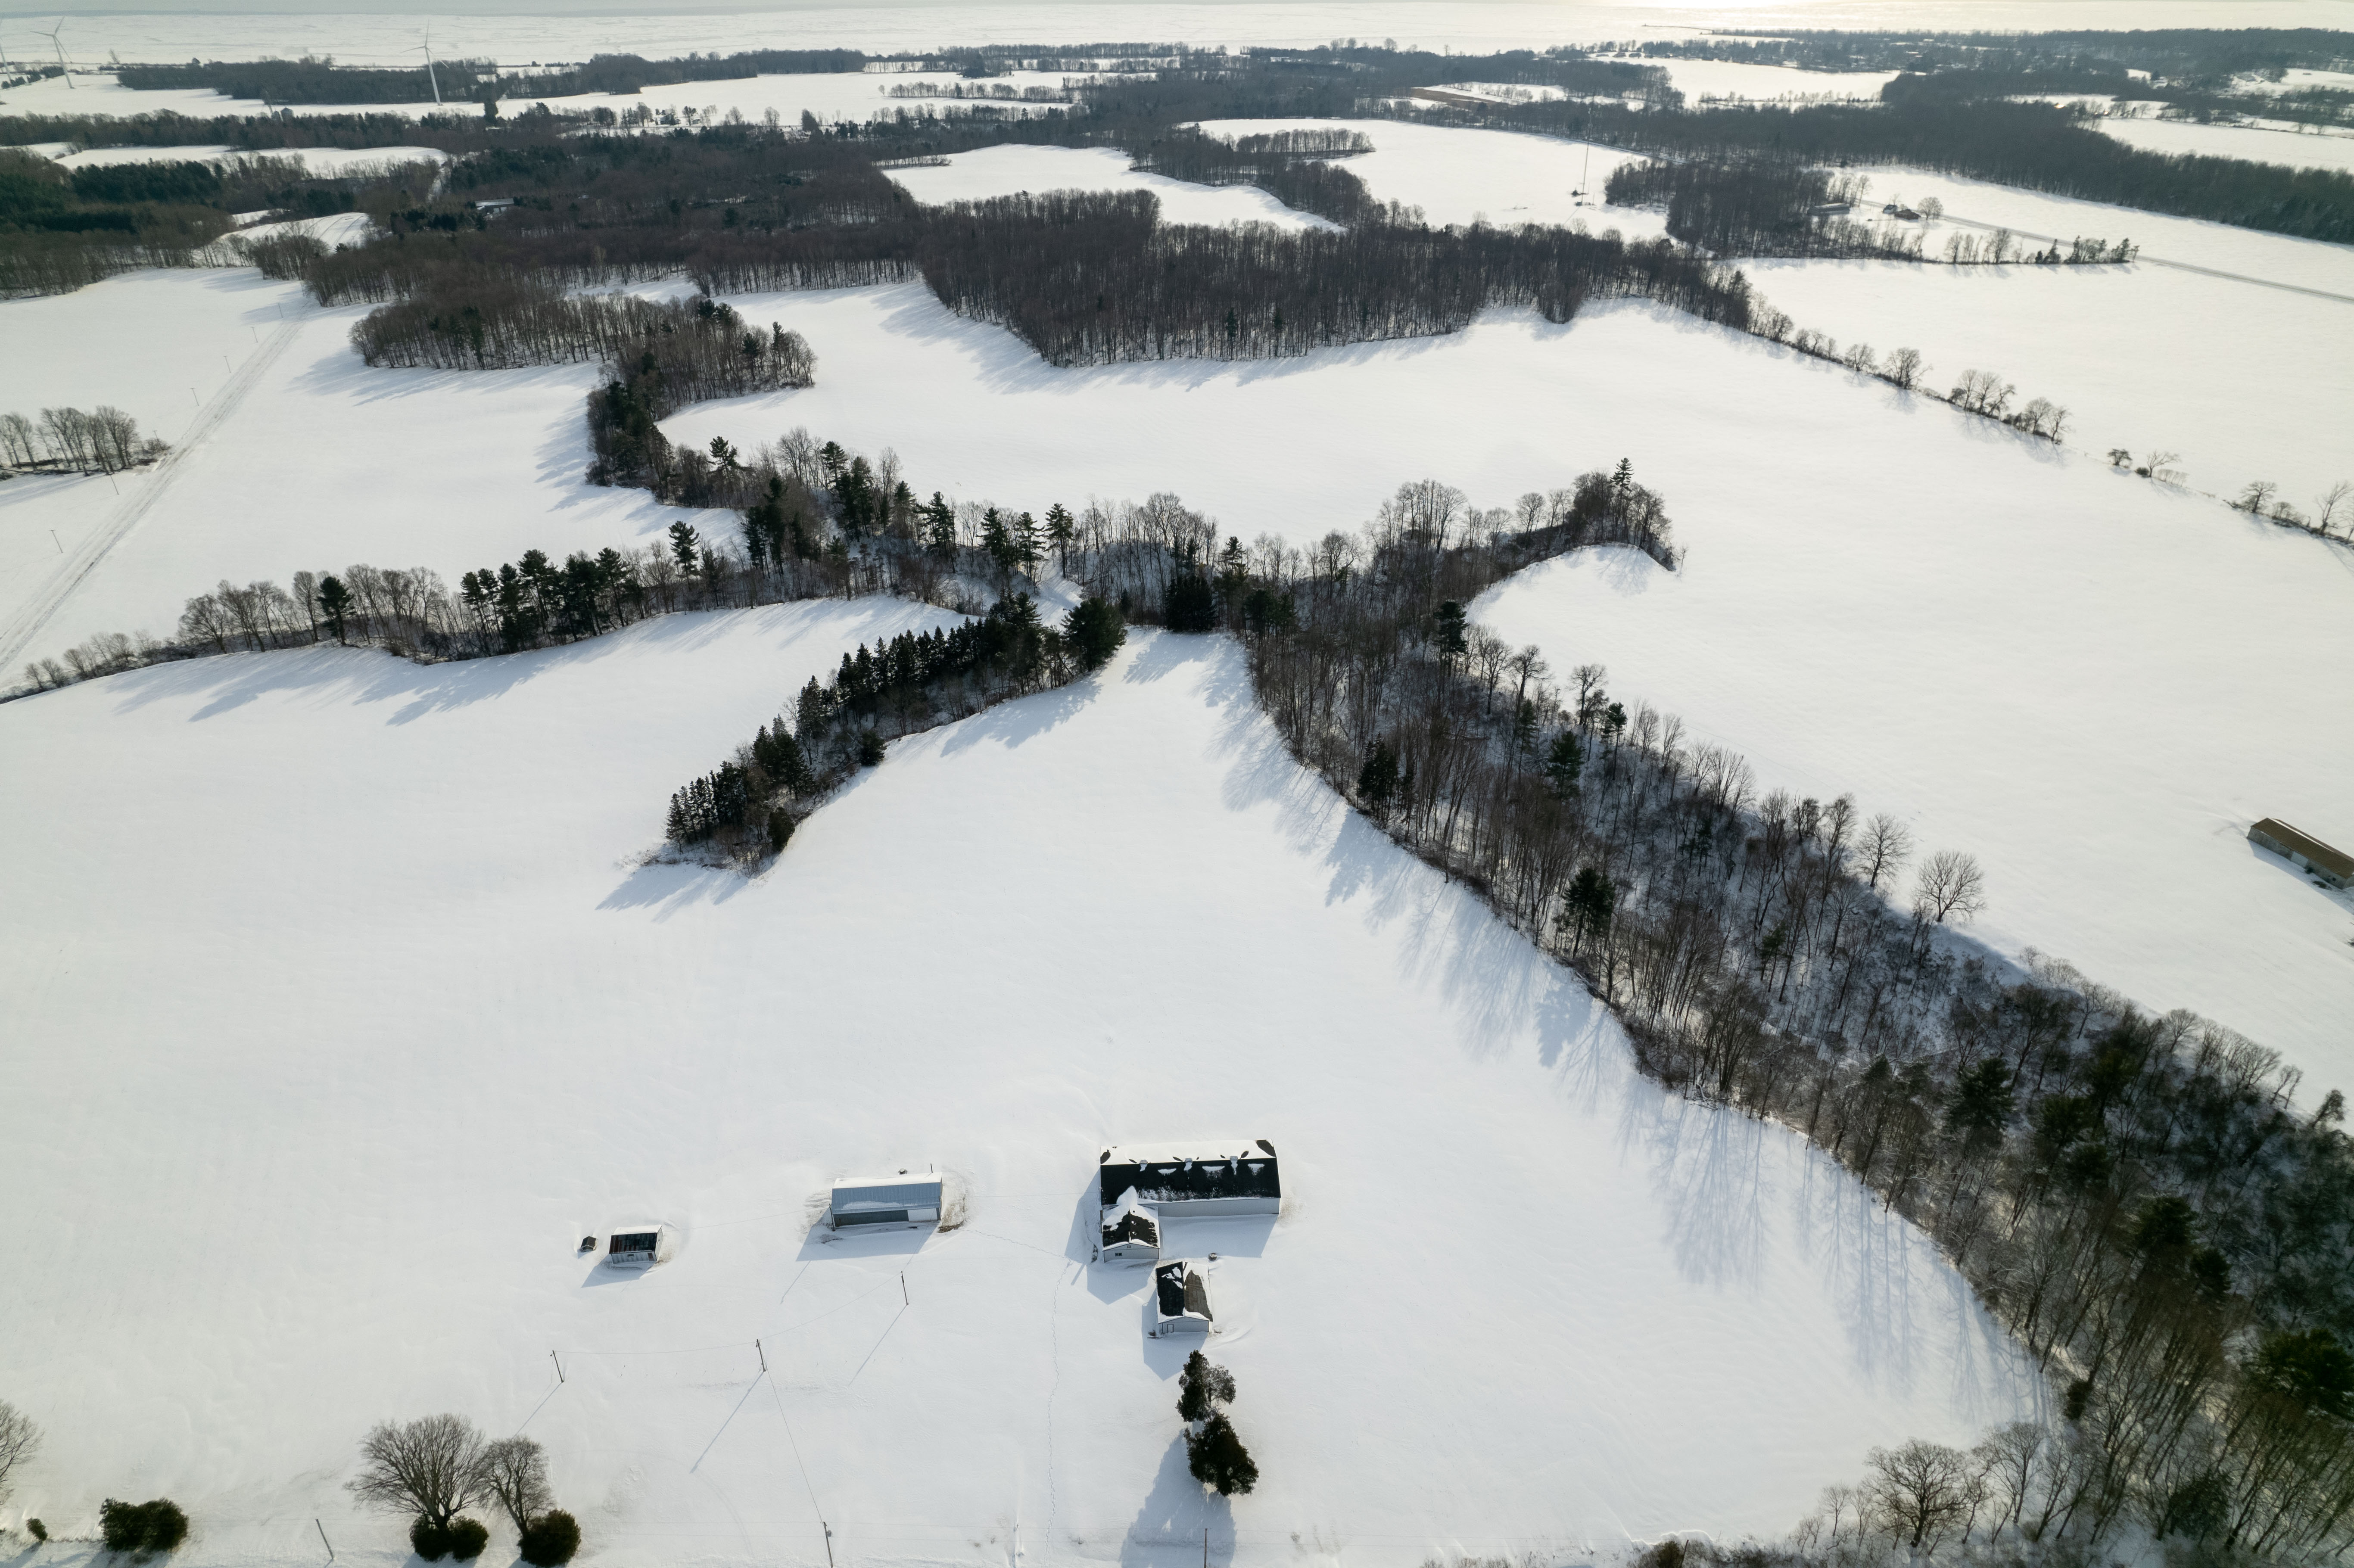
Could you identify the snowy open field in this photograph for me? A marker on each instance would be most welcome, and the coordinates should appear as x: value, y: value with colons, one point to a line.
x: 1697, y: 79
x: 1459, y: 175
x: 1011, y: 170
x: 1807, y: 465
x: 406, y: 1025
x: 2298, y: 149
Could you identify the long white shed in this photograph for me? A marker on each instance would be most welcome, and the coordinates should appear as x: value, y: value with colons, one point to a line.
x: 899, y: 1200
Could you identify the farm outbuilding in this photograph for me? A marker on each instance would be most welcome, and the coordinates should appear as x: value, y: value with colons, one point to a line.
x: 1180, y: 1299
x: 2305, y: 852
x: 641, y: 1244
x: 1131, y: 1232
x: 896, y: 1200
x: 1229, y: 1176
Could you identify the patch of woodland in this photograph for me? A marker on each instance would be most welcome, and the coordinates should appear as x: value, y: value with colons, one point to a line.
x: 2137, y: 1198
x: 67, y: 440
x: 319, y: 79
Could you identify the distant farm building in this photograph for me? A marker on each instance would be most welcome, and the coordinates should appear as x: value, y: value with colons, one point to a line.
x: 1233, y: 1176
x: 1131, y: 1232
x: 2306, y: 853
x: 639, y: 1245
x: 1180, y: 1299
x: 900, y: 1200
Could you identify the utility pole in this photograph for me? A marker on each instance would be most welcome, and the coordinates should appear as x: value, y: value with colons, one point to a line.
x: 829, y: 1544
x: 325, y: 1541
x: 763, y: 1355
x: 560, y: 1365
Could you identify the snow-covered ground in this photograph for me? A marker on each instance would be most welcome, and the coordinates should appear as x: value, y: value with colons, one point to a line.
x: 1697, y: 79
x: 320, y: 463
x: 1011, y: 170
x: 2241, y: 382
x: 1461, y: 175
x: 2298, y: 149
x: 407, y: 1024
x: 321, y: 161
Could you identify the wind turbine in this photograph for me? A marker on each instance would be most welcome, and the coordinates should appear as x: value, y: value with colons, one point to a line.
x: 428, y: 66
x: 52, y: 35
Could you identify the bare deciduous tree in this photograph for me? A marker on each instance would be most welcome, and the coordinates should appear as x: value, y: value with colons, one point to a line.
x: 431, y: 1466
x: 1922, y: 1491
x: 19, y: 1441
x: 1904, y: 367
x: 1887, y: 843
x: 1951, y: 885
x: 2257, y: 496
x: 2330, y: 503
x: 514, y: 1472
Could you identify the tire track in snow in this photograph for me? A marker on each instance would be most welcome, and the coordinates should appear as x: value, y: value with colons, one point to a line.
x: 20, y: 628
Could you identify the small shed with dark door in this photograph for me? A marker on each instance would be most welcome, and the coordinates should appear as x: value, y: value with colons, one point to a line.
x: 897, y: 1199
x: 1180, y: 1299
x: 1209, y: 1176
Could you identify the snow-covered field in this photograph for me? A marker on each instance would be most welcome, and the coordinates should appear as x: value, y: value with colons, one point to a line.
x: 407, y: 1024
x: 2242, y: 382
x: 1458, y: 176
x: 1011, y: 170
x: 1697, y: 79
x: 2301, y: 150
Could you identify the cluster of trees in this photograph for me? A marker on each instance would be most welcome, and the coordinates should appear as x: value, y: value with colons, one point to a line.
x: 1293, y: 166
x: 437, y: 1467
x: 1095, y: 278
x: 1215, y: 1455
x: 690, y: 352
x: 319, y: 79
x: 674, y: 352
x: 1984, y: 392
x: 138, y: 1530
x: 2137, y: 1198
x: 1757, y: 204
x: 918, y: 681
x: 2001, y: 247
x: 2333, y: 509
x: 105, y: 440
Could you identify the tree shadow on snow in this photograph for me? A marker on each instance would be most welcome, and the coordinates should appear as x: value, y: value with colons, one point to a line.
x: 1174, y: 1516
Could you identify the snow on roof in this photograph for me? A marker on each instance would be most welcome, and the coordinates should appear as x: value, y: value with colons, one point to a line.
x: 887, y: 1191
x: 1169, y: 1173
x: 1190, y: 1148
x: 1180, y: 1289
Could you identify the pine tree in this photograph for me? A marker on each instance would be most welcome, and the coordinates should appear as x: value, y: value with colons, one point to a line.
x: 1377, y: 779
x: 1095, y: 631
x: 1448, y: 626
x: 1188, y: 604
x: 1563, y: 764
x: 1217, y: 1458
x: 1586, y: 906
x: 1201, y: 1387
x: 334, y: 603
x: 1060, y: 533
x: 684, y: 546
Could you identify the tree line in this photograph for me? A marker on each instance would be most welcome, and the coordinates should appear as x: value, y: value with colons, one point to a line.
x: 104, y: 441
x: 2137, y: 1198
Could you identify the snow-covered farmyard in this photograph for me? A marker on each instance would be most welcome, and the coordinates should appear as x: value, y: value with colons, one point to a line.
x: 327, y: 1158
x: 1014, y: 170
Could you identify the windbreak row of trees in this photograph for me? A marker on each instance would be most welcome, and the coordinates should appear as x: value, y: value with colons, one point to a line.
x: 319, y: 79
x: 692, y: 350
x: 106, y: 440
x: 915, y: 680
x: 2137, y: 1198
x: 1757, y: 207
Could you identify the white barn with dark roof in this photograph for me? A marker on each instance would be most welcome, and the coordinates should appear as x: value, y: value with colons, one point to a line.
x: 900, y: 1200
x: 1180, y: 1299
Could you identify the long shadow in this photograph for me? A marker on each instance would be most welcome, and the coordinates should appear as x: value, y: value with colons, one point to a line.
x: 1169, y: 1529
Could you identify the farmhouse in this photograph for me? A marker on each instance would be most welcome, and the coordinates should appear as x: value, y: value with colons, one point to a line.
x: 639, y: 1245
x: 2308, y: 853
x: 1180, y: 1299
x: 1131, y: 1232
x: 1228, y: 1176
x: 899, y: 1200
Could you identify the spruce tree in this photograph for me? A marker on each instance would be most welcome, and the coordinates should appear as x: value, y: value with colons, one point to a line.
x: 684, y: 546
x: 1563, y: 764
x: 1448, y: 626
x: 334, y: 603
x: 1095, y: 631
x: 1377, y: 779
x: 1217, y: 1458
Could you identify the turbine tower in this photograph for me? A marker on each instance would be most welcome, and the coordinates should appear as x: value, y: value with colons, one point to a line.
x: 52, y: 35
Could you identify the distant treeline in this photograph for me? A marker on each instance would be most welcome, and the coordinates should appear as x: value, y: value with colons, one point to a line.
x: 321, y: 80
x: 105, y: 440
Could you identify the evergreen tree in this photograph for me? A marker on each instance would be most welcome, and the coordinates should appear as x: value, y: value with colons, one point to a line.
x: 1029, y: 546
x: 940, y: 530
x: 1447, y: 627
x: 1060, y: 533
x: 684, y: 546
x: 1563, y: 764
x: 997, y: 539
x: 1188, y: 604
x: 1587, y: 906
x: 1201, y: 1387
x: 1217, y: 1458
x: 1377, y: 780
x: 1095, y: 631
x: 334, y: 603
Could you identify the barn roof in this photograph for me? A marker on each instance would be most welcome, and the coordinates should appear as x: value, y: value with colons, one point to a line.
x: 1180, y: 1290
x: 2337, y: 861
x: 1173, y: 1173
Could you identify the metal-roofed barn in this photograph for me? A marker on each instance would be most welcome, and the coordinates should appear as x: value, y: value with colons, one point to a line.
x: 1229, y: 1176
x: 640, y: 1245
x: 2307, y: 853
x: 899, y: 1200
x: 1180, y: 1299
